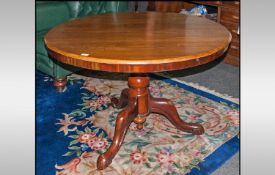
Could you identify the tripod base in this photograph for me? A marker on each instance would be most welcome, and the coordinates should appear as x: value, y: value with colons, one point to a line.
x: 138, y: 104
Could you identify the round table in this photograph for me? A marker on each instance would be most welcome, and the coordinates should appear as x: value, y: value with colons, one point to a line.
x: 138, y: 43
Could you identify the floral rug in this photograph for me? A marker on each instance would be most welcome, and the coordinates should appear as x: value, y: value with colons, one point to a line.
x: 74, y: 127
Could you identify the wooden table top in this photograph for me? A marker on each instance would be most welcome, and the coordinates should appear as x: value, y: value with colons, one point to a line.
x: 137, y: 42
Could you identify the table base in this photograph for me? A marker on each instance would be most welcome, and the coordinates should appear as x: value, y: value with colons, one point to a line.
x: 138, y: 104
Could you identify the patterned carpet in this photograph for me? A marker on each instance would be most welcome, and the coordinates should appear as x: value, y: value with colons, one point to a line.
x: 74, y: 127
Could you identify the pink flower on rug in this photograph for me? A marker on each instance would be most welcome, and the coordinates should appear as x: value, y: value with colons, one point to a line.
x: 103, y: 100
x: 138, y: 156
x: 197, y: 153
x: 98, y: 143
x: 232, y: 113
x: 233, y: 116
x: 93, y: 104
x: 86, y: 137
x: 164, y: 158
x: 193, y: 117
x: 81, y: 122
x: 234, y: 119
x: 98, y: 102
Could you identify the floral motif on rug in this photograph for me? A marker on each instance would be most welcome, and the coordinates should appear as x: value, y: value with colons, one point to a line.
x: 159, y: 148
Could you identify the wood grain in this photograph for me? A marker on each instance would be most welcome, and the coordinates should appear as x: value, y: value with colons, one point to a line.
x: 228, y: 13
x: 137, y: 42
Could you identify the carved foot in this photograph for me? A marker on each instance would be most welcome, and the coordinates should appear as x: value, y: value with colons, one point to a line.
x: 60, y: 83
x: 167, y: 109
x: 122, y: 101
x: 103, y: 162
x: 123, y: 121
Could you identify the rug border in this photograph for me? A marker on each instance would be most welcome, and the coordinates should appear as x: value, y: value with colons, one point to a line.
x: 218, y: 97
x: 235, y: 140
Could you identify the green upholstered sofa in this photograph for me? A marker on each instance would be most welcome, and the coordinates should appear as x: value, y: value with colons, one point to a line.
x: 51, y: 13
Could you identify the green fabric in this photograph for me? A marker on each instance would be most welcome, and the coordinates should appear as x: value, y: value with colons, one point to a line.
x: 52, y: 13
x: 40, y: 46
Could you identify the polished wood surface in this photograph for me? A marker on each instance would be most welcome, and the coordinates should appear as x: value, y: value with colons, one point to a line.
x: 228, y: 14
x: 137, y: 42
x: 139, y: 105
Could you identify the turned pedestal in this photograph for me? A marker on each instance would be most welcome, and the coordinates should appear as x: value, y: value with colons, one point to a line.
x: 138, y: 104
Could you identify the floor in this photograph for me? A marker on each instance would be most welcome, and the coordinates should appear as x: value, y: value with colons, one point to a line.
x: 223, y: 78
x: 218, y: 76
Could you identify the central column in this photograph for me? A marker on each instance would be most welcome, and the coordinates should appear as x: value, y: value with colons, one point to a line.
x: 139, y: 84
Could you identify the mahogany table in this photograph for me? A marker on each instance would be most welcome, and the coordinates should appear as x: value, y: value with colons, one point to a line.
x: 138, y: 43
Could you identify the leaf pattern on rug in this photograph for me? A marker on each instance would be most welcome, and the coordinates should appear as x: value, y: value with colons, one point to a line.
x: 159, y: 148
